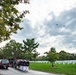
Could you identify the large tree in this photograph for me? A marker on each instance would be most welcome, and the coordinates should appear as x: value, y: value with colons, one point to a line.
x: 12, y: 49
x: 10, y: 18
x: 30, y: 48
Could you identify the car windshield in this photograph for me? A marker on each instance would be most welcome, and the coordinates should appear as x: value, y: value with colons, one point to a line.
x: 5, y: 61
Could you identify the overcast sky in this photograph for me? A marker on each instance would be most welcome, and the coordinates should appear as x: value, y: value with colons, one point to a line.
x: 51, y: 22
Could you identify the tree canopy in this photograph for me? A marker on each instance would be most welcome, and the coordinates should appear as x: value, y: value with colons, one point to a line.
x: 10, y: 18
x: 30, y: 48
x: 12, y: 49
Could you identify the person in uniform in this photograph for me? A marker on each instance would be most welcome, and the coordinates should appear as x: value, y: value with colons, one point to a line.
x: 27, y: 65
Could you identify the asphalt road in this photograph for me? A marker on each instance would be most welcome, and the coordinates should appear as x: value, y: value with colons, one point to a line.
x: 12, y: 71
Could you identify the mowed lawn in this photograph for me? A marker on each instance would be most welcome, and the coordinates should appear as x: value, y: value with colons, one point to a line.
x: 68, y: 69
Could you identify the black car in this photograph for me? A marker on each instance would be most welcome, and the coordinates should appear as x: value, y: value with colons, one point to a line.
x: 4, y: 63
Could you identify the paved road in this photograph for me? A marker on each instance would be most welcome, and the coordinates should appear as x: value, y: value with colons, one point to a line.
x: 12, y: 71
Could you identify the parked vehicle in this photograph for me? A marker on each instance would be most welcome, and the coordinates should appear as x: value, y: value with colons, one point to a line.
x: 4, y: 63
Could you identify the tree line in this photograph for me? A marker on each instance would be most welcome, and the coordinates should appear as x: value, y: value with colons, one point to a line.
x: 15, y: 50
x: 62, y: 55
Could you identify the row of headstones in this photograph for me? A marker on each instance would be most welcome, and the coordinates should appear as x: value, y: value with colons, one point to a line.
x: 58, y: 62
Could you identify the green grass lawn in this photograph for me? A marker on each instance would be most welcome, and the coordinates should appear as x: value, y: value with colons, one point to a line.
x: 68, y: 69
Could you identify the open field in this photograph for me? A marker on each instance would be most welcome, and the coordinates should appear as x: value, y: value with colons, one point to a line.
x: 68, y: 69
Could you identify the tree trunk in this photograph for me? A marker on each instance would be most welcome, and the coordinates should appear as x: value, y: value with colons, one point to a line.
x: 52, y: 64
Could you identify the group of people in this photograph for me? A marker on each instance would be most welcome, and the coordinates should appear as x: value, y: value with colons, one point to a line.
x: 22, y: 65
